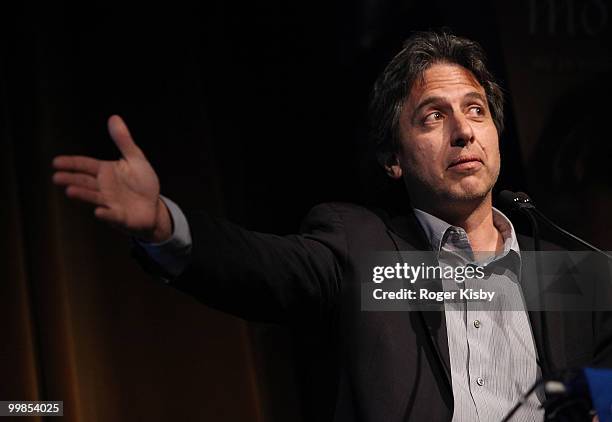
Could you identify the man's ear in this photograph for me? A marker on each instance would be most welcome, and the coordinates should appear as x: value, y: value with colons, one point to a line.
x: 392, y: 166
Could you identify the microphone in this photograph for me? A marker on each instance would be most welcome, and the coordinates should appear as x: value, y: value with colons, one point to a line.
x: 513, y: 201
x: 520, y: 201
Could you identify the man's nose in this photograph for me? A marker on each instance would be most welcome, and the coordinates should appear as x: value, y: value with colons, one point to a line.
x: 462, y: 132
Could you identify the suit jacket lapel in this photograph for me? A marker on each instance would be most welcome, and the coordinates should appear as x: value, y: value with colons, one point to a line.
x: 536, y: 318
x: 408, y: 235
x: 541, y: 322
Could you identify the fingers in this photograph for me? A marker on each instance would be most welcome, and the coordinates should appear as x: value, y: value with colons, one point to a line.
x: 82, y: 185
x: 86, y: 181
x: 85, y: 195
x: 121, y: 135
x: 76, y: 163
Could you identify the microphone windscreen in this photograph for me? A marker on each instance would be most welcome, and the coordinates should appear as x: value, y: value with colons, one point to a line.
x: 508, y: 200
x: 524, y: 198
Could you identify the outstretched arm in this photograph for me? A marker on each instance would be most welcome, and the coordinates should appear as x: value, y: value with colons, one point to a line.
x: 253, y: 275
x: 261, y: 276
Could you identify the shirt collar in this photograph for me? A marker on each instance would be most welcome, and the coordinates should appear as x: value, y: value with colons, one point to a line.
x: 437, y: 230
x: 434, y: 227
x: 505, y: 227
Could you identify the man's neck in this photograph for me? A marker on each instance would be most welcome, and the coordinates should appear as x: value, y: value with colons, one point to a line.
x: 477, y: 221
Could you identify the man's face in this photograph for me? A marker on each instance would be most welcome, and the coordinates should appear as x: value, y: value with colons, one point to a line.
x: 449, y: 143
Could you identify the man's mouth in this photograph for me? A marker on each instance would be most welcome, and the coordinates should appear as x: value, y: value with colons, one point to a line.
x: 466, y: 163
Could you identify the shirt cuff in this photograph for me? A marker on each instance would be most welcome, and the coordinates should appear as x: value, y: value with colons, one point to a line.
x: 172, y: 254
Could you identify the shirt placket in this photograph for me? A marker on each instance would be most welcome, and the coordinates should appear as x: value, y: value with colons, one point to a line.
x: 457, y: 252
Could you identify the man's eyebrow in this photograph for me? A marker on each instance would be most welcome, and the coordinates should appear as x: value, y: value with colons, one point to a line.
x: 474, y: 95
x: 426, y: 102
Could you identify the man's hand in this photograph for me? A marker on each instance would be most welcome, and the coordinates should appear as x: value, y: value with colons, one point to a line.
x: 125, y: 192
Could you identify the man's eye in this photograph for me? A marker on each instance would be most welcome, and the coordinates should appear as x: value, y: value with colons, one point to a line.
x: 432, y: 117
x: 476, y: 111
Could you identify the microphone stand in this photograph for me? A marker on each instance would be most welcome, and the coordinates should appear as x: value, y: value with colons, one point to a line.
x: 521, y: 202
x: 568, y: 234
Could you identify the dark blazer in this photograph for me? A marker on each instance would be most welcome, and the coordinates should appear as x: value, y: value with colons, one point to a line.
x: 365, y: 366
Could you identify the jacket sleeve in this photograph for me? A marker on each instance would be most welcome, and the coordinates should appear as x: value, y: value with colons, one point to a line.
x: 263, y: 277
x: 602, y: 317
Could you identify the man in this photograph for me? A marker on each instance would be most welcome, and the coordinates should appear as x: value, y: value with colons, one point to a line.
x: 437, y: 115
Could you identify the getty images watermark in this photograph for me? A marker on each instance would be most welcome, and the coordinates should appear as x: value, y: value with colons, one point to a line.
x: 525, y: 280
x: 411, y: 274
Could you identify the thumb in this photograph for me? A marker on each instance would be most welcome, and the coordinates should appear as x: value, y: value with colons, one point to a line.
x: 121, y: 135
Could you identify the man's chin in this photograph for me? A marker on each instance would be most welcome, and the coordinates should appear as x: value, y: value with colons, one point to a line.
x: 469, y: 190
x: 465, y: 192
x: 467, y: 195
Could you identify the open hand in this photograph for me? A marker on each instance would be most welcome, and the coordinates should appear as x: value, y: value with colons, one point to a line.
x: 125, y: 192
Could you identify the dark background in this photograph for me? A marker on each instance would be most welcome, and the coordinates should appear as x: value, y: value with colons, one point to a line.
x: 255, y: 111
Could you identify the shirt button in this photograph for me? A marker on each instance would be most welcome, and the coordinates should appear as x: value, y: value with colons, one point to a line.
x: 480, y: 381
x: 477, y: 323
